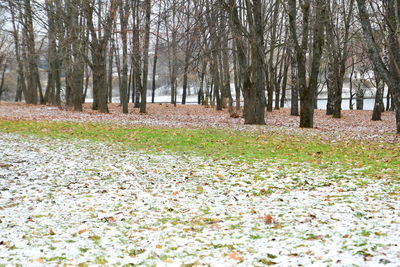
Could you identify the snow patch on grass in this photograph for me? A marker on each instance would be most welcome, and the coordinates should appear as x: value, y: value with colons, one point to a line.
x: 73, y: 202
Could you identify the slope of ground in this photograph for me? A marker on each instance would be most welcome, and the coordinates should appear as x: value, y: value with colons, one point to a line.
x: 84, y: 202
x: 191, y: 186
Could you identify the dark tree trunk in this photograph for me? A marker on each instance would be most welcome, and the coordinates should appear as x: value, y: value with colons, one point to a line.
x: 124, y: 9
x: 100, y: 85
x: 360, y: 97
x: 2, y: 79
x: 380, y: 86
x: 155, y: 59
x: 143, y: 93
x: 32, y: 70
x: 294, y: 88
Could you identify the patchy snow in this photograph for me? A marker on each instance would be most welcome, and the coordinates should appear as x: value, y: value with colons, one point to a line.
x: 80, y: 202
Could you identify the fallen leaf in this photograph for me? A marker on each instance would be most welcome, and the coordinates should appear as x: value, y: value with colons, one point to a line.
x: 277, y: 225
x: 268, y: 219
x: 215, y: 226
x: 4, y: 243
x: 110, y: 219
x: 51, y: 232
x: 235, y: 256
x: 83, y: 231
x: 94, y: 237
x: 40, y: 260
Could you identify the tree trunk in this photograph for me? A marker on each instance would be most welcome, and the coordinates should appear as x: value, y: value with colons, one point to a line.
x: 32, y: 69
x: 100, y: 85
x: 124, y: 9
x: 155, y: 59
x: 380, y: 87
x: 143, y: 96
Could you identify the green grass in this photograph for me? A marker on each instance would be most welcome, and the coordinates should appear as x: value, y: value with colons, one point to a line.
x: 375, y: 158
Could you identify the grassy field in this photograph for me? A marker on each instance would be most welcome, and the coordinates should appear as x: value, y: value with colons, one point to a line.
x: 93, y: 193
x: 376, y: 159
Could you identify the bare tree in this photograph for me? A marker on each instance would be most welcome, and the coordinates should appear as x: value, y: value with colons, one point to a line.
x: 99, y: 37
x: 390, y: 74
x: 307, y: 85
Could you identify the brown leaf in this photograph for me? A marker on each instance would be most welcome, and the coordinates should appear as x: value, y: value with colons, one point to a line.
x: 215, y: 226
x: 235, y: 256
x: 51, y: 232
x: 110, y: 219
x: 4, y: 243
x: 268, y: 219
x: 277, y: 225
x: 40, y: 260
x: 94, y: 237
x: 83, y: 231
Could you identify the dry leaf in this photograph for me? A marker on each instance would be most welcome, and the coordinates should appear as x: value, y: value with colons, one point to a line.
x: 268, y: 219
x: 215, y: 226
x: 40, y: 260
x: 83, y: 231
x: 51, y: 232
x: 110, y: 219
x: 235, y: 256
x: 4, y: 243
x: 158, y: 246
x: 94, y: 237
x: 277, y: 225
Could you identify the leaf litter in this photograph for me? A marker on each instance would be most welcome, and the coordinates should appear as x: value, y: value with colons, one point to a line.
x: 354, y: 124
x: 81, y: 202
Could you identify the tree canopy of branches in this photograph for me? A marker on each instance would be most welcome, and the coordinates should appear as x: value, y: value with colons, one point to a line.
x: 232, y: 52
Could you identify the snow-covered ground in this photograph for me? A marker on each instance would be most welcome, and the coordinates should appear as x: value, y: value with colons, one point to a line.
x: 80, y: 202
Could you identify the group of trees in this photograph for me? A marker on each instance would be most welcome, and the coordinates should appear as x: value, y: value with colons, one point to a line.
x: 263, y: 47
